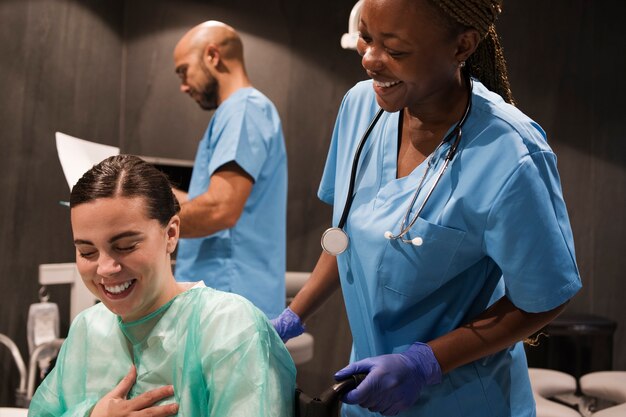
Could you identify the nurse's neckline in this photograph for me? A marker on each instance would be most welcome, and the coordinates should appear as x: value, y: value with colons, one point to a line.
x: 420, y: 135
x: 436, y: 117
x: 412, y: 151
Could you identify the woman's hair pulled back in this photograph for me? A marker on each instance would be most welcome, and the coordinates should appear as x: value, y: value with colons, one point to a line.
x: 487, y: 63
x: 128, y: 176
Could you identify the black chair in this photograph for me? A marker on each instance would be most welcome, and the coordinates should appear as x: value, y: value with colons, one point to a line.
x: 327, y: 404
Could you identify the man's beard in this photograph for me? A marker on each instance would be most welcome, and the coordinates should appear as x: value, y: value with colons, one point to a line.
x: 207, y: 98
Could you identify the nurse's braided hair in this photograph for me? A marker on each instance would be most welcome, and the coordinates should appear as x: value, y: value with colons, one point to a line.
x: 128, y: 176
x: 487, y: 63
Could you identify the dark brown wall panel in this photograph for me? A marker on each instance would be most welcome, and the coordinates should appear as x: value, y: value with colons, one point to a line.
x: 59, y: 70
x: 565, y: 59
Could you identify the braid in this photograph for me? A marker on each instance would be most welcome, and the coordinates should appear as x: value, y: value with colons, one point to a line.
x: 487, y: 63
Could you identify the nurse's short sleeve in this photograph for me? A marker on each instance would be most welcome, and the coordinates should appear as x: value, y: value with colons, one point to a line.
x: 529, y: 236
x: 355, y: 114
x: 241, y: 136
x: 326, y: 191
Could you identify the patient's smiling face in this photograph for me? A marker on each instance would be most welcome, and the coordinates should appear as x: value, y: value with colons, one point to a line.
x: 123, y: 256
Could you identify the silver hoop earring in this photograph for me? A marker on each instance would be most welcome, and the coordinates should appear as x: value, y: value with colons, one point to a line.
x: 461, y: 64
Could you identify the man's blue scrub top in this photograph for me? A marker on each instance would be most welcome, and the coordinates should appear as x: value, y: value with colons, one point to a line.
x: 496, y: 225
x: 249, y: 258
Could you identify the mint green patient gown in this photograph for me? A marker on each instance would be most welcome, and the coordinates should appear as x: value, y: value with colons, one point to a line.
x: 219, y: 352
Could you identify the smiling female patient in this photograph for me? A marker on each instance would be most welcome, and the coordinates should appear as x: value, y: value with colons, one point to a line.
x: 154, y: 346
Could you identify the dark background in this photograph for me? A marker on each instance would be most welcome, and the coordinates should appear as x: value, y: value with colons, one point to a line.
x: 102, y: 71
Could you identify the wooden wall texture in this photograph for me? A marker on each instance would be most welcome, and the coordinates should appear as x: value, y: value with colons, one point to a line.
x: 102, y: 70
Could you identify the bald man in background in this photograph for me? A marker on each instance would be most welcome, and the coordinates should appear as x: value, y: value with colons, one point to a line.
x: 233, y: 220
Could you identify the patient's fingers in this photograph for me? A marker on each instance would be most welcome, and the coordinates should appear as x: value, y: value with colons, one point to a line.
x: 149, y: 398
x: 142, y: 405
x: 115, y: 404
x: 158, y: 411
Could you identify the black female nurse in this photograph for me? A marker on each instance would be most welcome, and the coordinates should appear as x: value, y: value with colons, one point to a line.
x: 452, y: 258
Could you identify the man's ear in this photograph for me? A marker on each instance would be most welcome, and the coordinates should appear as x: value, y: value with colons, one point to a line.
x: 467, y: 42
x: 211, y: 56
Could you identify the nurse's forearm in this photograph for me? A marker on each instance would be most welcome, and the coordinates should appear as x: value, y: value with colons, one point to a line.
x: 498, y: 327
x: 322, y: 283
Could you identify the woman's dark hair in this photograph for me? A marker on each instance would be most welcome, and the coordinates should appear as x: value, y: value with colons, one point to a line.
x: 486, y: 63
x: 128, y: 176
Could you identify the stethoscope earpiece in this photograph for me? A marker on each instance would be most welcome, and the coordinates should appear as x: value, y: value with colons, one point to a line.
x: 416, y: 241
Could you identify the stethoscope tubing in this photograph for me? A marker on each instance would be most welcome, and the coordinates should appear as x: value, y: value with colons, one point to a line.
x: 355, y: 165
x: 336, y: 237
x: 404, y: 229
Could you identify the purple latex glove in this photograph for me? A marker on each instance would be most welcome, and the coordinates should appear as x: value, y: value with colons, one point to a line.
x: 288, y: 325
x: 393, y: 382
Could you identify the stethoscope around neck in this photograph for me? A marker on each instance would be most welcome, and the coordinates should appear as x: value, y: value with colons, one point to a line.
x: 335, y: 240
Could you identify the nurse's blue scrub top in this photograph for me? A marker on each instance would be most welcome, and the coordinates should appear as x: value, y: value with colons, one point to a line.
x: 496, y: 225
x: 249, y: 258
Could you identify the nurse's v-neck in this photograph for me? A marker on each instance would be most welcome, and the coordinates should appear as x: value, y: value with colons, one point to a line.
x: 389, y: 142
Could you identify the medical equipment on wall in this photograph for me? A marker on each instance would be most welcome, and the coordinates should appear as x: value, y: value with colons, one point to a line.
x: 67, y: 273
x: 42, y: 328
x: 335, y: 240
x: 349, y: 40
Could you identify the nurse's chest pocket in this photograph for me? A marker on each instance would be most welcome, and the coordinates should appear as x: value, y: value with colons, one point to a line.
x: 417, y: 271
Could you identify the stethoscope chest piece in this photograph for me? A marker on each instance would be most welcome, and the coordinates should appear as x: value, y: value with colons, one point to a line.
x: 334, y: 241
